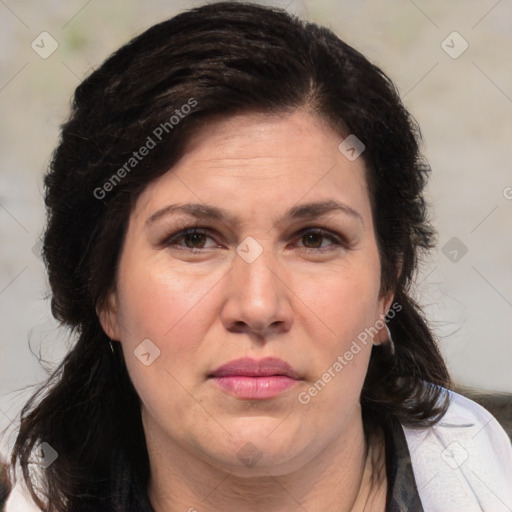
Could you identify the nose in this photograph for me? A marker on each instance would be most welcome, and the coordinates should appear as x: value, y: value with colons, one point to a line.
x: 258, y: 297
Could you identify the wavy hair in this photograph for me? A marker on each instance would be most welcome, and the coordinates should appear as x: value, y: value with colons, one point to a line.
x: 228, y: 58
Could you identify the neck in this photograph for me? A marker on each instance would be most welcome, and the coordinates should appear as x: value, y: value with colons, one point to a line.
x: 347, y: 475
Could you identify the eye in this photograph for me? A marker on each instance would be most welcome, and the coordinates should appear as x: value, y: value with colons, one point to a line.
x: 194, y: 238
x: 313, y: 236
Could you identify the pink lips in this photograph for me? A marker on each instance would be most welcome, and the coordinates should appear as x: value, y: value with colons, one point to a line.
x: 250, y: 379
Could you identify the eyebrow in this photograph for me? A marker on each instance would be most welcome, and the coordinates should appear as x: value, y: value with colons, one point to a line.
x: 306, y: 211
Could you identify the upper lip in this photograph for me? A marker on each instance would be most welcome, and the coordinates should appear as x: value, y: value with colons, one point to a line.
x: 252, y: 368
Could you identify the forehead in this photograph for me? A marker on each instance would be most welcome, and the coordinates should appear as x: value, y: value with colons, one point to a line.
x: 292, y: 136
x: 258, y: 162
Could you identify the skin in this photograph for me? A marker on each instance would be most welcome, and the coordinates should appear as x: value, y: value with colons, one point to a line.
x: 206, y: 306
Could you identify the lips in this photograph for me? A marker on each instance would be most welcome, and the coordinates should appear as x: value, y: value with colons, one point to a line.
x: 246, y: 367
x: 248, y: 379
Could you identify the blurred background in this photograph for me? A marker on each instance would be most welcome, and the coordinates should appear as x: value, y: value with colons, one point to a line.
x: 451, y: 64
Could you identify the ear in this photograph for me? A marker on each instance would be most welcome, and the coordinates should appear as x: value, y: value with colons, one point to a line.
x: 386, y: 303
x: 384, y: 306
x: 107, y: 315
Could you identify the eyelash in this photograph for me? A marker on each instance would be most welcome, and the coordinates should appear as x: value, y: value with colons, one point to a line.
x: 338, y: 241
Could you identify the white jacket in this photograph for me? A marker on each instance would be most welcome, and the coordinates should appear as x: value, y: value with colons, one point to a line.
x: 463, y: 464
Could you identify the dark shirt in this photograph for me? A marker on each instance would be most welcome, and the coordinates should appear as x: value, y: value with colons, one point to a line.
x: 403, y: 495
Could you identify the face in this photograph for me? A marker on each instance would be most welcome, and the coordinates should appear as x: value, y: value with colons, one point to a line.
x: 266, y: 275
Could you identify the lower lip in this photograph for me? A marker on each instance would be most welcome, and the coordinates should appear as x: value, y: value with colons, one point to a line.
x: 255, y: 387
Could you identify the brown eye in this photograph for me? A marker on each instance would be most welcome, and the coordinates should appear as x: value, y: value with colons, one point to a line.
x: 194, y: 239
x: 312, y: 239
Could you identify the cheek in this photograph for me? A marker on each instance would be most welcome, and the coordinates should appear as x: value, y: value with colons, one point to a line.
x: 339, y: 347
x: 341, y: 307
x: 157, y: 305
x: 342, y: 303
x: 156, y: 302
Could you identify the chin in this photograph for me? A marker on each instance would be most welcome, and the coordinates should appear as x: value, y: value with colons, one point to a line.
x: 257, y: 448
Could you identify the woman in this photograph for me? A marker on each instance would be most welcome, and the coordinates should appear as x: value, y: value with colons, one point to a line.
x: 235, y: 215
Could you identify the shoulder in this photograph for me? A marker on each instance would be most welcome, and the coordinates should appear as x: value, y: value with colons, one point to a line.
x: 464, y: 462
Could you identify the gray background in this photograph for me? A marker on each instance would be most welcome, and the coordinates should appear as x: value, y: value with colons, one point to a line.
x: 463, y: 105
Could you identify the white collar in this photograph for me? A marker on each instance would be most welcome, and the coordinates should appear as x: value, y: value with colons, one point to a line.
x: 464, y: 462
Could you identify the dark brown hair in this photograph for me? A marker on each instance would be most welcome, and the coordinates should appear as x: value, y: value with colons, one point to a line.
x: 220, y: 59
x: 5, y: 485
